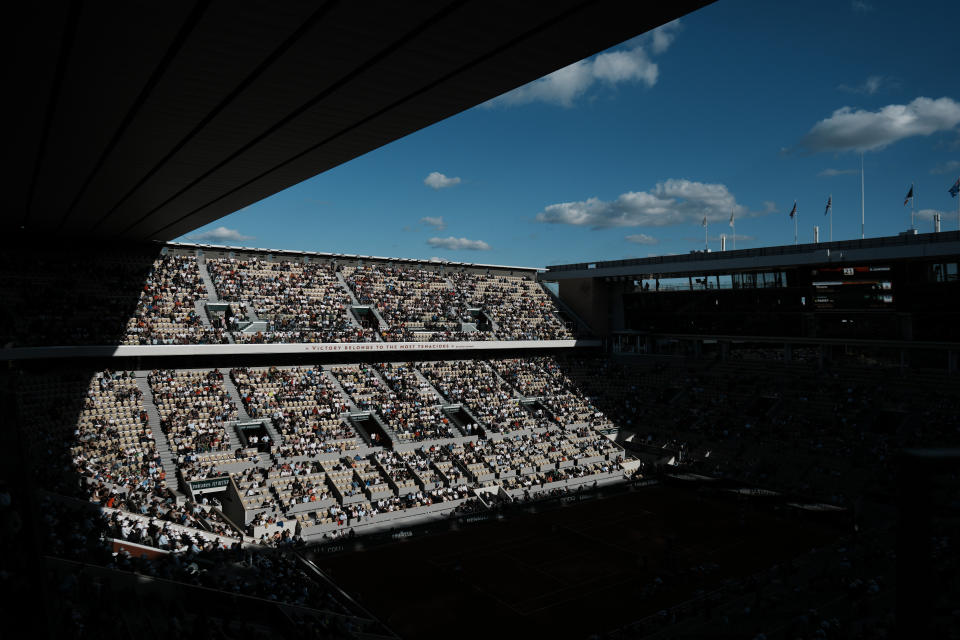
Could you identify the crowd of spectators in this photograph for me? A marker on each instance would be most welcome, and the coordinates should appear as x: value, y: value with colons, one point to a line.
x: 415, y: 303
x: 72, y: 298
x: 187, y: 558
x: 114, y: 461
x: 304, y: 405
x: 296, y: 482
x: 167, y: 312
x: 829, y: 433
x: 425, y: 304
x: 90, y: 428
x: 520, y: 307
x: 194, y: 408
x: 301, y: 302
x: 408, y: 405
x: 543, y: 378
x: 490, y: 399
x: 159, y: 503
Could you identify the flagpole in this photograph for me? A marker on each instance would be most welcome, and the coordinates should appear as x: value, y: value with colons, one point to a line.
x: 831, y: 217
x: 733, y: 223
x: 913, y: 204
x: 862, y: 203
x: 958, y: 207
x: 796, y: 227
x: 706, y: 237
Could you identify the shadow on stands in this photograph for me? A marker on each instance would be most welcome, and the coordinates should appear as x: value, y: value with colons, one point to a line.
x: 89, y: 516
x: 58, y: 293
x: 84, y: 509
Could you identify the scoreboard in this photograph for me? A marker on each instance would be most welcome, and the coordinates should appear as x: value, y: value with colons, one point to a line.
x: 852, y: 287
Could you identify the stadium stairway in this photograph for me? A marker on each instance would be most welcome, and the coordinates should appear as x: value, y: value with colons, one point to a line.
x: 452, y: 412
x: 356, y: 421
x: 339, y: 387
x: 376, y: 314
x: 494, y: 327
x: 352, y: 317
x: 251, y: 313
x: 387, y: 429
x: 207, y: 281
x: 496, y: 374
x: 200, y: 307
x: 241, y: 409
x: 346, y: 287
x: 160, y: 438
x: 423, y: 380
x: 381, y: 323
x: 473, y: 418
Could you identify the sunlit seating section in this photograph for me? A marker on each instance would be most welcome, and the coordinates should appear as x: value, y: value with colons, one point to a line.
x: 166, y: 312
x: 410, y: 408
x: 305, y: 406
x: 308, y: 488
x: 520, y: 307
x: 417, y: 304
x: 301, y: 302
x: 361, y: 384
x: 194, y: 408
x: 473, y: 383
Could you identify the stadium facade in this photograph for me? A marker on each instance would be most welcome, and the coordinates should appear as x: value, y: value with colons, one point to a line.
x: 899, y: 293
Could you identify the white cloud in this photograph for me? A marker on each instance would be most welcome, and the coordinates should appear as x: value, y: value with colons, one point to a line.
x: 662, y: 37
x: 860, y: 130
x: 220, y: 234
x: 861, y: 6
x: 641, y: 238
x: 870, y: 86
x: 830, y: 173
x: 437, y: 223
x: 950, y: 166
x: 437, y: 180
x: 457, y: 244
x: 631, y: 64
x: 669, y: 202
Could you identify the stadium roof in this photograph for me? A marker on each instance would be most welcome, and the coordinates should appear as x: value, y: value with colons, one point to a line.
x: 290, y: 254
x: 701, y: 262
x: 142, y: 120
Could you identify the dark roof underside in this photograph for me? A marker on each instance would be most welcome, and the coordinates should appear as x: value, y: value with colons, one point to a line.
x: 145, y: 120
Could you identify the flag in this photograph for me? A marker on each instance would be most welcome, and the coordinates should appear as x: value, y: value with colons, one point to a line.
x: 829, y: 204
x: 793, y: 211
x: 731, y: 215
x: 955, y: 189
x: 908, y: 196
x: 704, y: 223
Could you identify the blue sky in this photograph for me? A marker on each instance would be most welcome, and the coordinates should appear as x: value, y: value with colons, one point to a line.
x: 740, y: 107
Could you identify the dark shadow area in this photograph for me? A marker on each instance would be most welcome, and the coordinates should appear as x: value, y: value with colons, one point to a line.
x: 828, y: 432
x: 566, y: 567
x: 759, y: 459
x: 92, y: 534
x: 62, y: 293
